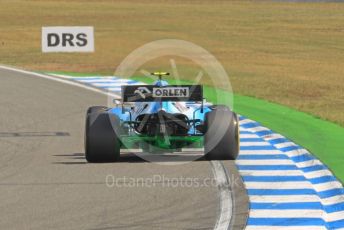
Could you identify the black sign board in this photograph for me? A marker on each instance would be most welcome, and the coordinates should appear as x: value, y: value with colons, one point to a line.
x: 149, y: 93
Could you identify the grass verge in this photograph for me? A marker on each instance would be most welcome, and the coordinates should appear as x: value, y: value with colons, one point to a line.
x: 287, y: 52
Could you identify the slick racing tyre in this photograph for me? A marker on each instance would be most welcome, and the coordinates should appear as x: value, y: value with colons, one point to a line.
x: 96, y: 108
x: 101, y: 141
x: 221, y: 140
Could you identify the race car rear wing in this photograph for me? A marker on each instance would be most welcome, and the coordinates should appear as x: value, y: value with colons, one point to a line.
x: 151, y: 93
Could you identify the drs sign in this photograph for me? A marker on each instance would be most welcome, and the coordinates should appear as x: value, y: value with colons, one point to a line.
x: 67, y: 39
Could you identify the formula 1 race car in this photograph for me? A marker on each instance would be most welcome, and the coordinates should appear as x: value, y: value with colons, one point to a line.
x: 161, y: 118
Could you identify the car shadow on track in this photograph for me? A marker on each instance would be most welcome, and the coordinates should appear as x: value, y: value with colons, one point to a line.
x: 126, y: 158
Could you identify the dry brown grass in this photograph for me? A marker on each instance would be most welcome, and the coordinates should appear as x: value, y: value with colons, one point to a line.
x: 290, y: 53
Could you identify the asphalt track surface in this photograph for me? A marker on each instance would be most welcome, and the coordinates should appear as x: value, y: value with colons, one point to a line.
x: 45, y: 182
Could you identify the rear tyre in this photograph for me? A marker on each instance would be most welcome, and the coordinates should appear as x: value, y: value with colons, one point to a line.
x: 101, y: 141
x: 96, y: 108
x: 221, y: 140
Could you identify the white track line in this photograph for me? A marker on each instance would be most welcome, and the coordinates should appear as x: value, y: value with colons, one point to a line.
x: 68, y: 82
x: 226, y: 203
